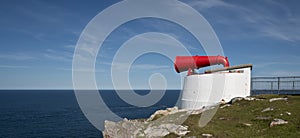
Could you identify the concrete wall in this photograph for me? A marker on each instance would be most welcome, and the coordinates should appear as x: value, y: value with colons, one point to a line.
x: 207, y: 89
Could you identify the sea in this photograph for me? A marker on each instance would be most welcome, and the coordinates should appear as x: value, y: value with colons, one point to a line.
x: 56, y: 113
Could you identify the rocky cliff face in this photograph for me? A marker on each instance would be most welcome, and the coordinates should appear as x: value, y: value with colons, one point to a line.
x: 161, y: 123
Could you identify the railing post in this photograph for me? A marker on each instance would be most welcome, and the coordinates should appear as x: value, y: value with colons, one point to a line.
x: 271, y: 85
x: 251, y: 86
x: 278, y: 83
x: 293, y: 85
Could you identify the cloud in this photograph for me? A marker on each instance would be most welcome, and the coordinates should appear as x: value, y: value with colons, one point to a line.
x: 37, y: 35
x: 284, y: 73
x: 70, y: 46
x: 140, y: 67
x: 137, y: 67
x: 150, y: 67
x: 58, y: 55
x: 276, y: 68
x: 281, y: 61
x: 13, y: 67
x: 82, y: 70
x: 206, y: 4
x: 262, y: 19
x: 282, y: 30
x: 171, y: 29
x: 266, y: 64
x: 39, y: 10
x: 17, y: 56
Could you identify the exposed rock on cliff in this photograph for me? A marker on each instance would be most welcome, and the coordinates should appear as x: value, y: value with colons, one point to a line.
x: 161, y: 123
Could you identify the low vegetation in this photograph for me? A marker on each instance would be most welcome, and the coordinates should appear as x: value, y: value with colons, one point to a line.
x: 247, y: 119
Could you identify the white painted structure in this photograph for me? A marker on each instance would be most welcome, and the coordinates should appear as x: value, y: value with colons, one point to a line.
x: 210, y: 88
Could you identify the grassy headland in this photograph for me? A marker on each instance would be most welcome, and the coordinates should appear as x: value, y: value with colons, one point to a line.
x: 247, y: 119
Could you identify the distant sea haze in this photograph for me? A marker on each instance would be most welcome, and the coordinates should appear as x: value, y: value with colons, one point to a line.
x: 55, y: 113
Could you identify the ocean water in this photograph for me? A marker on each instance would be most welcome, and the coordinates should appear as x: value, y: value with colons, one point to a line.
x: 55, y: 113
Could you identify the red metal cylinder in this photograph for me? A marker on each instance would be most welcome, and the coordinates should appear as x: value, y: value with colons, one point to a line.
x: 184, y: 63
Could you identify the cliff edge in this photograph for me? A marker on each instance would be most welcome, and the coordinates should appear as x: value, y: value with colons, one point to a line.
x: 258, y: 116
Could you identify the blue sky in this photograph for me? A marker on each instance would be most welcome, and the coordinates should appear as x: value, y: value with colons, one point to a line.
x: 38, y: 38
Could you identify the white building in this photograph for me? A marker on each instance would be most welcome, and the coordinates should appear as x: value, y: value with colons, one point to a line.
x: 216, y: 85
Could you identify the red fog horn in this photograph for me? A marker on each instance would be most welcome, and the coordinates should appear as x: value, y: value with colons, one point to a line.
x: 184, y: 63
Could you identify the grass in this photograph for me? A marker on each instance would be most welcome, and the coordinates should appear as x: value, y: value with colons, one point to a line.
x: 229, y: 121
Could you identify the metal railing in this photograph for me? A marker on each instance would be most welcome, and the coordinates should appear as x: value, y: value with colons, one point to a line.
x: 275, y: 85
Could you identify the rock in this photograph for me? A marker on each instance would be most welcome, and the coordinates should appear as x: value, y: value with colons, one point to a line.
x: 261, y: 98
x: 165, y: 129
x: 277, y: 121
x: 236, y: 99
x: 263, y: 118
x: 207, y: 135
x: 250, y: 98
x: 149, y: 128
x: 267, y: 109
x: 223, y: 118
x: 226, y: 105
x: 247, y: 124
x: 181, y: 131
x: 156, y: 132
x: 278, y: 99
x: 129, y: 128
x: 196, y: 112
x: 164, y: 112
x: 222, y: 102
x: 232, y: 101
x: 122, y: 128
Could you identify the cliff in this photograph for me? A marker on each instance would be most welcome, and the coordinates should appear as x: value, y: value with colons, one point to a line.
x: 259, y: 116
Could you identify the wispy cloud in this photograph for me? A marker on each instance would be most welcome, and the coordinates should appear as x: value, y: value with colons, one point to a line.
x: 140, y: 67
x: 83, y: 70
x: 13, y: 67
x: 267, y: 18
x: 17, y: 56
x: 283, y: 30
x: 206, y: 4
x: 58, y: 55
x: 70, y: 46
x: 150, y: 67
x: 264, y: 65
x: 261, y: 61
x: 41, y: 9
x: 173, y: 30
x: 280, y: 73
